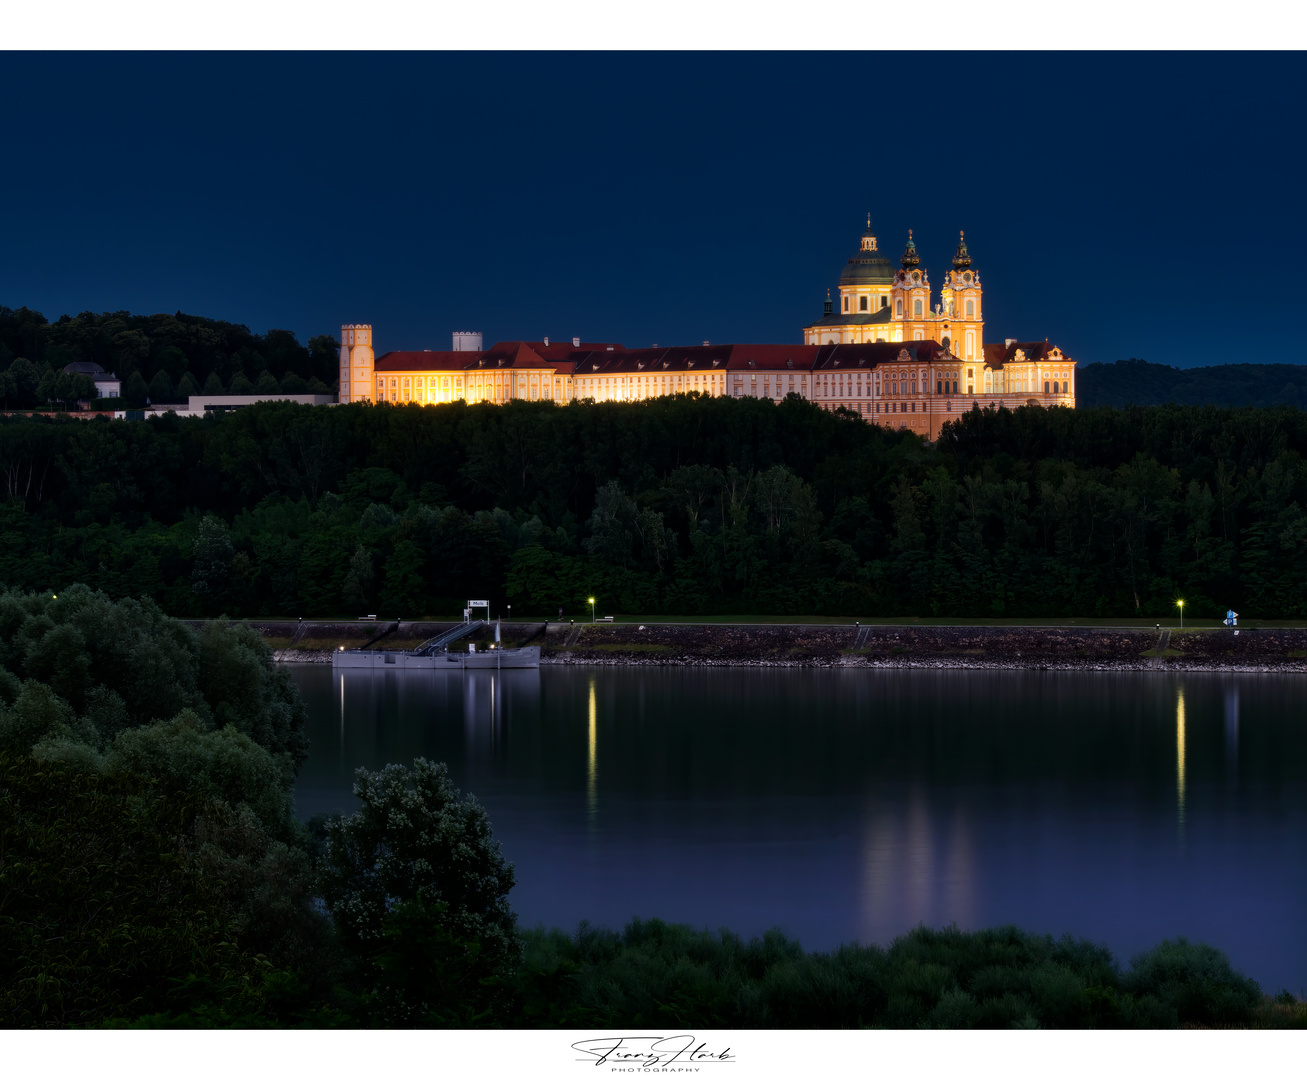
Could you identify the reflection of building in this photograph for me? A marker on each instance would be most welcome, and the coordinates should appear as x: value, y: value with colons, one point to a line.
x: 885, y: 356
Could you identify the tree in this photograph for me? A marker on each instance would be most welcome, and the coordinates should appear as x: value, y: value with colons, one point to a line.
x: 267, y: 383
x: 358, y: 588
x: 213, y: 555
x: 417, y: 867
x: 213, y: 385
x: 405, y: 587
x: 161, y: 388
x: 100, y: 919
x: 324, y: 358
x: 135, y: 391
x: 240, y: 384
x: 187, y: 387
x: 18, y: 383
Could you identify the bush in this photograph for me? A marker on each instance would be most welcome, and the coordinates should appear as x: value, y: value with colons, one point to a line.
x: 419, y: 892
x: 1195, y: 982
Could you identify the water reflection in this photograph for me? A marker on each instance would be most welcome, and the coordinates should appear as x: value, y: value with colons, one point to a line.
x: 591, y: 774
x: 1179, y: 757
x: 1232, y: 730
x: 1126, y: 807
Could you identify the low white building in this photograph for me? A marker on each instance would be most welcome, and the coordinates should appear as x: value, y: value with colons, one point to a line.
x: 107, y: 385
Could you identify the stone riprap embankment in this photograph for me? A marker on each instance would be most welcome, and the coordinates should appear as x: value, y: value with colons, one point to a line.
x: 1041, y: 647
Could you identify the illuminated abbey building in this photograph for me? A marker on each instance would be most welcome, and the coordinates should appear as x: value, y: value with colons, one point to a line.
x: 882, y: 351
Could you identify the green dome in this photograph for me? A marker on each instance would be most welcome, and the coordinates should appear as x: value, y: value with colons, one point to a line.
x: 868, y: 267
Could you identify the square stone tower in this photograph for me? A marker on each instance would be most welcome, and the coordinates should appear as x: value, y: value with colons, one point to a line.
x: 356, y: 363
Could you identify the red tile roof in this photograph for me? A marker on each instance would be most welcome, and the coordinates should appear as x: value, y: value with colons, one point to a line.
x: 997, y: 355
x: 423, y: 361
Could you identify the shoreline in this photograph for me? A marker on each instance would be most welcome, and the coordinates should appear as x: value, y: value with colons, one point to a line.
x: 874, y: 647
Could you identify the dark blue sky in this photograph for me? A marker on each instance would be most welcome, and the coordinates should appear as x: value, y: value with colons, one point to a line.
x: 1118, y: 204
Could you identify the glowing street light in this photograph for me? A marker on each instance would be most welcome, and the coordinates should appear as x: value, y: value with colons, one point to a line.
x: 592, y: 609
x: 1180, y: 605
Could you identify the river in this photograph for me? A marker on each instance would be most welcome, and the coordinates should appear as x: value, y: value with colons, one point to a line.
x: 845, y: 805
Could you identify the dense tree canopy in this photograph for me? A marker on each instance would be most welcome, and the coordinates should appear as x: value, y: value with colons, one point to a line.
x: 147, y: 830
x: 163, y: 357
x: 1137, y: 382
x: 679, y: 505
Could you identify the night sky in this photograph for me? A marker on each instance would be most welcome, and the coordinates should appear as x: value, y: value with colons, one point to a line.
x: 1120, y: 205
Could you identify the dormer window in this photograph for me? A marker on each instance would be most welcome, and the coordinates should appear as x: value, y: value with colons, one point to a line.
x: 715, y: 363
x: 789, y: 363
x: 752, y: 362
x: 639, y: 366
x: 666, y: 364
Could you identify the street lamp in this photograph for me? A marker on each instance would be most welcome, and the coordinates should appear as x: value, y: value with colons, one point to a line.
x: 1180, y: 605
x: 592, y: 608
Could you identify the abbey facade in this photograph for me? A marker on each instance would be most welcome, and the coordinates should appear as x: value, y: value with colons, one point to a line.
x: 885, y: 355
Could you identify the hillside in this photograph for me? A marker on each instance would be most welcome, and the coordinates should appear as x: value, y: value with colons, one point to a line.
x: 1137, y: 382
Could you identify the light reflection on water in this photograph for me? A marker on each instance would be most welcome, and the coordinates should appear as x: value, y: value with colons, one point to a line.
x: 850, y: 804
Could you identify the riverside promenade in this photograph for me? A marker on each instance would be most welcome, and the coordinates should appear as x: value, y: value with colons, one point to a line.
x: 899, y: 644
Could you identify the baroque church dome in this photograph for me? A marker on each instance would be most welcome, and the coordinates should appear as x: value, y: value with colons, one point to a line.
x: 869, y: 266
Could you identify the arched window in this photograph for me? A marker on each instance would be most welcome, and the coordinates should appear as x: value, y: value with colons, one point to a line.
x: 971, y: 309
x: 898, y: 308
x: 916, y: 309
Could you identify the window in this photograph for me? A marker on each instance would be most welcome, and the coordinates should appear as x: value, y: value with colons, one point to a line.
x: 898, y: 308
x: 916, y: 309
x: 884, y: 302
x: 862, y: 303
x: 846, y: 303
x: 971, y: 309
x: 1046, y: 388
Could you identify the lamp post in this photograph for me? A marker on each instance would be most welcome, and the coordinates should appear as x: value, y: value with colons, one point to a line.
x: 1180, y: 605
x: 592, y: 608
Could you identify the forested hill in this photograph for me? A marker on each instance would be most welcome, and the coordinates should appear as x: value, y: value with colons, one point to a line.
x: 165, y: 357
x: 680, y: 506
x: 1137, y: 382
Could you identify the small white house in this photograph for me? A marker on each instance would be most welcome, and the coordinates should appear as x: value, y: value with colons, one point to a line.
x: 106, y: 384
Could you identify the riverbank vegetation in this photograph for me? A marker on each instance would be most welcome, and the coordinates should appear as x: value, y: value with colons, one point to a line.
x: 681, y: 506
x: 153, y: 874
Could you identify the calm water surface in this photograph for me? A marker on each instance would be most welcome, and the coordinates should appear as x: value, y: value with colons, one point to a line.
x: 843, y: 805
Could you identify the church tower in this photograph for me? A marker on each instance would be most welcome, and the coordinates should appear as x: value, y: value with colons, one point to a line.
x: 961, y: 298
x: 911, y: 296
x: 356, y: 363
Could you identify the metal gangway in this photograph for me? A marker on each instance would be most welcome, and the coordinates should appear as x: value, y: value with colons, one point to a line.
x: 441, y: 641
